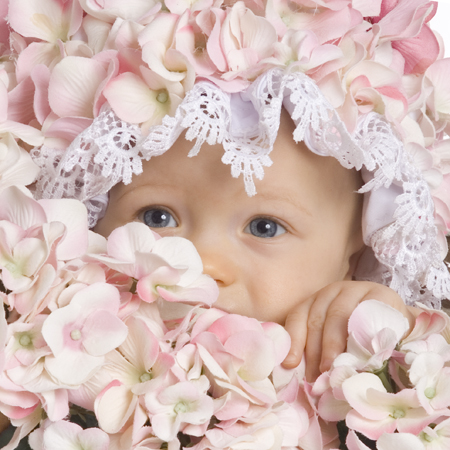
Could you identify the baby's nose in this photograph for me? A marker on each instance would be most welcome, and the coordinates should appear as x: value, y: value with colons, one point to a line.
x: 218, y: 267
x: 217, y: 259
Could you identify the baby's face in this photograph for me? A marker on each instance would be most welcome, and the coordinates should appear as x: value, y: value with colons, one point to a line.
x: 268, y: 252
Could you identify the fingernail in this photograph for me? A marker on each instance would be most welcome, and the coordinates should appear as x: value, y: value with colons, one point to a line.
x: 290, y: 360
x: 326, y: 365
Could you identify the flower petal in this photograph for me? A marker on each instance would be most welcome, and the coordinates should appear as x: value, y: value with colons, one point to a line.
x: 114, y: 406
x: 73, y: 214
x: 73, y: 85
x: 104, y: 332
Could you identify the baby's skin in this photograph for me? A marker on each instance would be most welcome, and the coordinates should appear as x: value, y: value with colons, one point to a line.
x: 286, y: 255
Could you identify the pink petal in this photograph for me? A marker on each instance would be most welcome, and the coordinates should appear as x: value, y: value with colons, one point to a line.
x: 140, y: 337
x: 203, y: 291
x: 73, y: 214
x: 162, y: 28
x: 114, y: 407
x: 30, y: 254
x: 73, y: 86
x: 438, y: 75
x: 36, y: 19
x: 162, y: 276
x: 67, y: 128
x: 20, y: 102
x: 181, y: 254
x: 406, y: 18
x: 27, y: 133
x: 3, y: 102
x: 399, y: 441
x: 55, y: 403
x: 213, y: 45
x: 124, y: 241
x: 98, y: 296
x: 20, y: 209
x: 138, y: 104
x: 62, y: 434
x: 94, y: 438
x: 37, y: 53
x: 20, y: 172
x: 373, y: 429
x: 41, y: 78
x: 200, y: 60
x: 331, y: 409
x: 73, y: 367
x: 230, y: 324
x: 110, y: 10
x: 281, y: 339
x: 419, y: 52
x: 372, y: 316
x: 353, y: 443
x: 355, y: 390
x: 256, y: 351
x: 104, y: 332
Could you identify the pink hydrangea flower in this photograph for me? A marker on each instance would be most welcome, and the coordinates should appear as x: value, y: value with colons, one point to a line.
x: 49, y: 23
x: 375, y: 411
x: 374, y: 331
x: 34, y: 236
x: 436, y: 438
x: 81, y: 333
x: 134, y: 371
x: 169, y: 267
x: 243, y: 42
x: 178, y: 406
x: 240, y: 353
x: 430, y: 378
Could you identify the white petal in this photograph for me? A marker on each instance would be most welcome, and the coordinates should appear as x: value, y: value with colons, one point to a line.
x: 181, y: 254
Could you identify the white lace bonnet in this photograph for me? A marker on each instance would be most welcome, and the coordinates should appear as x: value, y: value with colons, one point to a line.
x: 398, y: 218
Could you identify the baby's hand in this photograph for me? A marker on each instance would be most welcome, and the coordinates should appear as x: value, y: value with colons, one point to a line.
x: 318, y: 326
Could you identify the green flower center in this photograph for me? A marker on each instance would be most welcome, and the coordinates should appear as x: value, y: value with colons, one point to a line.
x: 145, y: 377
x: 430, y: 393
x: 398, y: 414
x: 162, y: 97
x: 181, y: 407
x: 25, y: 340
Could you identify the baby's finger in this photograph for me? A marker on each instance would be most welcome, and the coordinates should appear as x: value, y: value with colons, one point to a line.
x: 316, y: 323
x: 335, y: 328
x: 296, y: 326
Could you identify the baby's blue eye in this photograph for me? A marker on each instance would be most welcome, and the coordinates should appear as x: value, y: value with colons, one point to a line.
x: 264, y: 228
x: 158, y: 218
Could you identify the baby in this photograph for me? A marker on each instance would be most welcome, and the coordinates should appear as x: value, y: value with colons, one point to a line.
x: 286, y: 254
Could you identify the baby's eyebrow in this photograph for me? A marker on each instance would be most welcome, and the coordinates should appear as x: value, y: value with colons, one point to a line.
x: 285, y: 197
x: 150, y: 185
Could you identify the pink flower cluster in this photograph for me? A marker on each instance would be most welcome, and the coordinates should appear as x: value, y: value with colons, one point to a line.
x: 391, y: 389
x: 122, y: 328
x: 61, y: 60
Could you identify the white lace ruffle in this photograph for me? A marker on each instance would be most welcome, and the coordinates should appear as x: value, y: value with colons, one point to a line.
x: 246, y: 124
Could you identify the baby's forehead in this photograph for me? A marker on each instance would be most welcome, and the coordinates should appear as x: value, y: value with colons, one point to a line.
x: 297, y: 175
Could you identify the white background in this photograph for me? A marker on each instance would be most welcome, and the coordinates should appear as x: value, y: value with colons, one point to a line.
x: 441, y: 23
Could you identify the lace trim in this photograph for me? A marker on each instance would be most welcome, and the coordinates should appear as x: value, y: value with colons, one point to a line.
x: 110, y: 151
